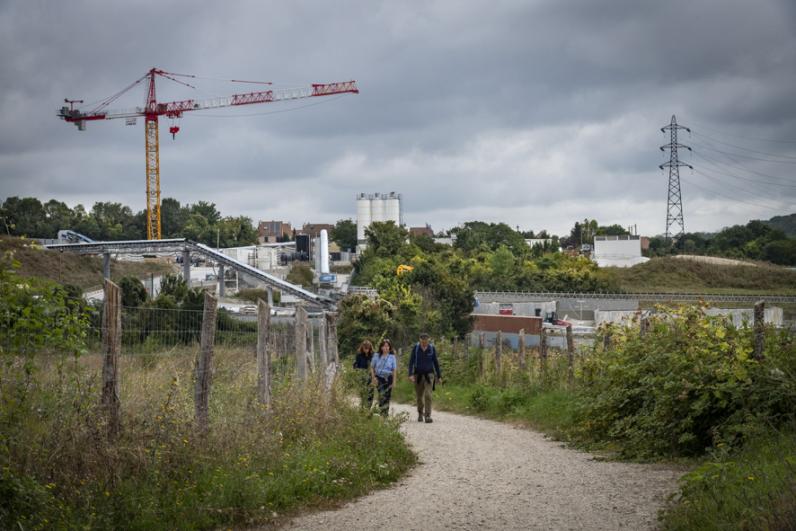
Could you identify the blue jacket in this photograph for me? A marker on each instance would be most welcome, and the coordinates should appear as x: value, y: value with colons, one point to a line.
x: 424, y: 362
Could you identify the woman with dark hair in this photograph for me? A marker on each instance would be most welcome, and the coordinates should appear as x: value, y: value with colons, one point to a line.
x: 362, y: 362
x: 383, y: 370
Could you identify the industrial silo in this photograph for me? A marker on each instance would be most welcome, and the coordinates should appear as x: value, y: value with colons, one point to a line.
x: 363, y: 215
x: 377, y: 204
x: 392, y: 209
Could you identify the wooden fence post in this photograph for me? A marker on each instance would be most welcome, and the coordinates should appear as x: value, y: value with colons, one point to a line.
x: 521, y: 348
x: 570, y: 355
x: 263, y: 353
x: 543, y: 351
x: 204, y: 364
x: 643, y: 326
x: 111, y: 347
x: 323, y: 342
x: 607, y: 339
x: 498, y: 351
x: 481, y: 357
x: 466, y: 351
x: 759, y: 329
x: 301, y: 342
x: 331, y: 336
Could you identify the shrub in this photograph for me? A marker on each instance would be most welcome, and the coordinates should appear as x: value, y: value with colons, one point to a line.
x: 687, y: 385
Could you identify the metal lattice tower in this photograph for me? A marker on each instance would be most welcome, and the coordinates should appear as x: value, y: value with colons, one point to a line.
x: 674, y: 202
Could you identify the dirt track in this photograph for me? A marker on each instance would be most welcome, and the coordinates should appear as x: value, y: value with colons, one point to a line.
x: 480, y: 474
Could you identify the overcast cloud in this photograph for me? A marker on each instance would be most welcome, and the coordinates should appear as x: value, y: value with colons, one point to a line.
x: 534, y: 113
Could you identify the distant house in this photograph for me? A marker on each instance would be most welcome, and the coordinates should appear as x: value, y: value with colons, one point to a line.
x: 313, y: 230
x: 421, y: 231
x: 271, y: 231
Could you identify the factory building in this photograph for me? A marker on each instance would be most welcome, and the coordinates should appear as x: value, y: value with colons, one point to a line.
x: 617, y: 251
x: 377, y: 207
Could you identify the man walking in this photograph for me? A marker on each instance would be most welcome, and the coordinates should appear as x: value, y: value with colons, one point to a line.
x: 424, y: 371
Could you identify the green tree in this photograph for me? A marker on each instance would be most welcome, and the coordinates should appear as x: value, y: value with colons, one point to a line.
x: 25, y: 217
x: 172, y: 218
x: 134, y: 293
x: 345, y: 234
x: 781, y: 252
x: 300, y: 274
x: 386, y: 238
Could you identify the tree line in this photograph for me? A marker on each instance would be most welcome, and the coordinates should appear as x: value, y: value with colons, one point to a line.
x: 201, y: 221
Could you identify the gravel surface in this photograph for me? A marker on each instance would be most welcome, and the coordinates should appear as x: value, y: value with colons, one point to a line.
x: 480, y: 474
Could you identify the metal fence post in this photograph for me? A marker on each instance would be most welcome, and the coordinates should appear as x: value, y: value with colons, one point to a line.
x: 204, y: 364
x: 111, y: 347
x: 521, y: 348
x: 263, y: 353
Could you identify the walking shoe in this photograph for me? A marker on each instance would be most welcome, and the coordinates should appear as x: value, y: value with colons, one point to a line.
x: 428, y: 420
x: 420, y: 418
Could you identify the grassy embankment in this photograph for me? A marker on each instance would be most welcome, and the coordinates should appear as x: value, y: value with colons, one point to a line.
x: 703, y: 403
x: 82, y: 271
x: 680, y: 275
x: 61, y: 470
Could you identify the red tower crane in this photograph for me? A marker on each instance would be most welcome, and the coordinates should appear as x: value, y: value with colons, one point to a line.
x: 153, y: 109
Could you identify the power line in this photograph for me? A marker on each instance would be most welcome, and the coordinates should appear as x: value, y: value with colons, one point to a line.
x: 745, y: 149
x: 739, y: 166
x: 726, y: 184
x: 776, y: 141
x: 714, y: 162
x: 729, y: 154
x: 729, y: 197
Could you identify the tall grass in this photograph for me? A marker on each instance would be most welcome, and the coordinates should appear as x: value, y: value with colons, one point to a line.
x: 60, y: 469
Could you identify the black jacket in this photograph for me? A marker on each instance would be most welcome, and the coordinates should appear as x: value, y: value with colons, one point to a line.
x: 362, y: 361
x: 424, y: 362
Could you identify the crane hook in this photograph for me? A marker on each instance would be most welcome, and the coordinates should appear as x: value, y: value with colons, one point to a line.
x: 174, y: 129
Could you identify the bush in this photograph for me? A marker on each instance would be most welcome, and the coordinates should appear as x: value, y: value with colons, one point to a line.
x: 688, y: 385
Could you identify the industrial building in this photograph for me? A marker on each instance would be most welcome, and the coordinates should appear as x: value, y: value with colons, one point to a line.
x: 618, y: 251
x: 377, y: 207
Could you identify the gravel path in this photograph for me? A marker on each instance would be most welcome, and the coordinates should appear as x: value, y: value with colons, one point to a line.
x: 480, y: 474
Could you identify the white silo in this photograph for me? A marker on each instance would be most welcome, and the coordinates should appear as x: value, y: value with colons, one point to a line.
x: 363, y: 215
x: 324, y: 251
x: 392, y: 211
x: 377, y: 208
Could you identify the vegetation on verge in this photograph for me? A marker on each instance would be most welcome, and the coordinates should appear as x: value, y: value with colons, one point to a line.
x: 61, y: 468
x: 689, y: 388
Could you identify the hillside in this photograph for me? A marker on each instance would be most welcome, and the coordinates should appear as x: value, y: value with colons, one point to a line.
x: 669, y: 274
x: 786, y: 224
x: 67, y: 268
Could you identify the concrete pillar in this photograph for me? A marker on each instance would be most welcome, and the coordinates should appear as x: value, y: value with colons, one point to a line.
x: 106, y: 266
x: 221, y: 280
x: 270, y: 296
x: 186, y: 266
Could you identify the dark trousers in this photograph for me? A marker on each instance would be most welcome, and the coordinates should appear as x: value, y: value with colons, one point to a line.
x: 385, y: 392
x: 366, y: 390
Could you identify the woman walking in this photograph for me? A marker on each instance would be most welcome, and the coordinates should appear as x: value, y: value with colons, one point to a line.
x: 383, y: 370
x: 362, y: 362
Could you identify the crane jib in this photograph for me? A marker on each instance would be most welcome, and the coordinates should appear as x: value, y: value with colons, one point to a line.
x: 175, y: 109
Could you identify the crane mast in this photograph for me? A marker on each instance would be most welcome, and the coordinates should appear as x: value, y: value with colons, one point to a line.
x: 152, y: 110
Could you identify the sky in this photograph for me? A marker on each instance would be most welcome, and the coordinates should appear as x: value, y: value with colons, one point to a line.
x: 532, y: 113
